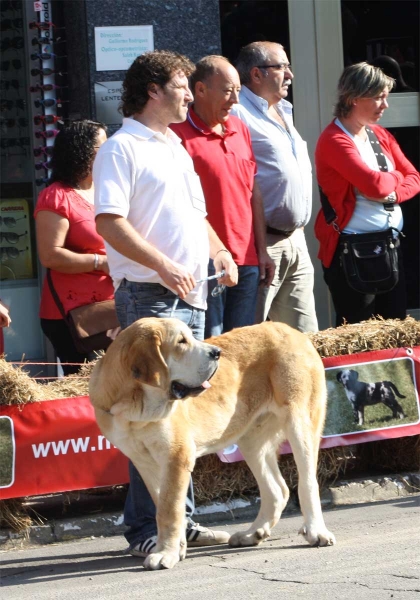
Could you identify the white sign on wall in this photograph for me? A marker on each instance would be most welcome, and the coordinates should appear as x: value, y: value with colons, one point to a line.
x: 117, y: 47
x: 108, y: 98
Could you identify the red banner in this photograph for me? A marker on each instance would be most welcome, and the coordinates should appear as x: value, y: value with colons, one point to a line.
x: 56, y: 446
x: 397, y: 368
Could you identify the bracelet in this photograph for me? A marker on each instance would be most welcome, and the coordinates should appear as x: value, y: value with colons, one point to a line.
x: 95, y: 262
x: 222, y: 250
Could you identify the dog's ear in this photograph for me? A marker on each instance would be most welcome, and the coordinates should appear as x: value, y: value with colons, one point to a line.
x: 144, y: 361
x: 354, y: 374
x: 339, y: 376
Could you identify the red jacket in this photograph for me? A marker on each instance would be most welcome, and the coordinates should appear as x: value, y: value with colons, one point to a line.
x: 340, y: 169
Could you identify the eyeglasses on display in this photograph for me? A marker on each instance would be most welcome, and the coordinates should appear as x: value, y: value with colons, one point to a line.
x: 20, y: 122
x: 50, y: 133
x: 9, y: 5
x: 12, y: 142
x: 48, y: 102
x: 7, y: 24
x: 5, y: 85
x: 47, y: 87
x: 10, y: 221
x: 47, y: 119
x: 46, y: 72
x: 43, y: 165
x: 280, y: 67
x: 44, y: 55
x: 15, y: 43
x: 15, y: 62
x: 9, y: 104
x: 11, y: 252
x: 42, y: 181
x: 44, y: 25
x: 47, y: 150
x: 11, y: 236
x: 46, y: 40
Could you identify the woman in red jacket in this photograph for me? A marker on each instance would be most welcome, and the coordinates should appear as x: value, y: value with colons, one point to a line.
x: 358, y: 191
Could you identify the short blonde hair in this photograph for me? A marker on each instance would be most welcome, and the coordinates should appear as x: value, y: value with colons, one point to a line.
x: 360, y: 81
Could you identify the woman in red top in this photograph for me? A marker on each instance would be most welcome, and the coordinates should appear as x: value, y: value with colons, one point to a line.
x: 349, y: 175
x: 67, y: 241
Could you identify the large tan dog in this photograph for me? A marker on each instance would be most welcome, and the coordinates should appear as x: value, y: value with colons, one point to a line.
x: 267, y: 385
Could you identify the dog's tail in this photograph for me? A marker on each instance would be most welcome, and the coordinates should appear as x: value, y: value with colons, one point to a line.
x: 394, y: 387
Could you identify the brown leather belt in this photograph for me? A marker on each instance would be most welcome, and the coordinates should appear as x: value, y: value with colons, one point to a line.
x: 279, y: 232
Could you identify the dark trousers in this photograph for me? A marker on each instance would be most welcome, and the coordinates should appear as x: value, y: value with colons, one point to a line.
x: 58, y: 333
x: 355, y: 307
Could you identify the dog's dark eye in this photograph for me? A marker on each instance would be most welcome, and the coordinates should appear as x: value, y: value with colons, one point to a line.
x: 182, y: 340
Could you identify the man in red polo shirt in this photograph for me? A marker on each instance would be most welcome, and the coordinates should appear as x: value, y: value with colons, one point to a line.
x: 220, y: 147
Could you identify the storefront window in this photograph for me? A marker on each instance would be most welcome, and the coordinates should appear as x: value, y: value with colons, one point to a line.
x: 17, y: 257
x: 386, y: 34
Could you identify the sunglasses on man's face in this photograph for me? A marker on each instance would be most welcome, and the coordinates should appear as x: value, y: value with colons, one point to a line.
x: 11, y: 236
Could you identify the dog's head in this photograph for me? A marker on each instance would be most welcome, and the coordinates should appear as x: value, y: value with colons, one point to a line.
x: 154, y: 358
x: 347, y: 375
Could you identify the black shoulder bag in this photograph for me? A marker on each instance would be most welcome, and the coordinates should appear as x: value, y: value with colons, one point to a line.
x: 369, y: 260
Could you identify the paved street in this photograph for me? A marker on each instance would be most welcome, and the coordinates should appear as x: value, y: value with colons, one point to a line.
x: 376, y: 557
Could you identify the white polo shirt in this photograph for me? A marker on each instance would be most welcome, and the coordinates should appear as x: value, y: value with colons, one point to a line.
x: 149, y: 179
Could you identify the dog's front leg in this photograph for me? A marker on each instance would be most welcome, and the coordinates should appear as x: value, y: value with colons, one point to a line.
x: 171, y: 546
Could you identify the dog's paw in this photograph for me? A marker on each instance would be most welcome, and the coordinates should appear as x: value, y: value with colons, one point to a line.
x: 241, y: 539
x: 317, y: 537
x: 163, y: 560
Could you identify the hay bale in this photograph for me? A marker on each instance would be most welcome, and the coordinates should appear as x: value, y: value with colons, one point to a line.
x: 16, y: 387
x: 374, y: 334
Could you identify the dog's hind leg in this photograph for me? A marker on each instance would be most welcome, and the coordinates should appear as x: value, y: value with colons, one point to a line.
x: 262, y: 460
x: 304, y: 440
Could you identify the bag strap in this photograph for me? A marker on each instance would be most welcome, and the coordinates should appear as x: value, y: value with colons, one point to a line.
x: 380, y: 157
x: 55, y: 295
x: 329, y: 213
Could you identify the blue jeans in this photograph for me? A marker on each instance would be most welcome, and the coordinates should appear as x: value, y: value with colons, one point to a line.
x: 235, y: 306
x: 134, y: 301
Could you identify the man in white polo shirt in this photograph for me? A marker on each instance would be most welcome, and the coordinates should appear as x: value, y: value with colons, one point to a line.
x: 150, y: 210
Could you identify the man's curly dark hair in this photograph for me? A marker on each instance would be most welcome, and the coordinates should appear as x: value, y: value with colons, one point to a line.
x: 74, y: 151
x: 152, y: 67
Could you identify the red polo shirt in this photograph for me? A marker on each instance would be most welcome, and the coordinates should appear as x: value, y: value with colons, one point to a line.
x: 226, y: 167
